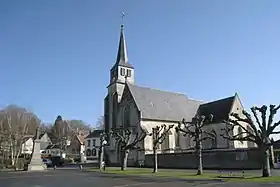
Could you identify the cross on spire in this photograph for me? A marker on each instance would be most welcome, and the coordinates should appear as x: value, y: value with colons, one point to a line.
x: 123, y: 15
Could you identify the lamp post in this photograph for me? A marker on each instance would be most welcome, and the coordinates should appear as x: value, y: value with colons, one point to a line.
x: 103, y: 143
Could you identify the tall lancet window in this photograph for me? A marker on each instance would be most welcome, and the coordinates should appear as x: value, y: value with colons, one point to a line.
x: 240, y: 133
x: 115, y: 110
x: 177, y: 139
x: 214, y: 140
x: 126, y: 117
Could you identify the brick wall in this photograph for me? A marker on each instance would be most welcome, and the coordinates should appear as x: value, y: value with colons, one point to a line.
x: 212, y: 159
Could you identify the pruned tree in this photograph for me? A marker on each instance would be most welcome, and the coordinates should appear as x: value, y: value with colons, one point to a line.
x: 159, y: 134
x: 127, y: 140
x: 257, y: 130
x: 103, y: 143
x: 196, y: 131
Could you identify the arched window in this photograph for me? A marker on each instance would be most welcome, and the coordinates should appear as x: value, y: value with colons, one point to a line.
x: 126, y: 116
x: 93, y: 152
x: 240, y: 135
x: 214, y: 140
x: 88, y: 153
x: 166, y: 143
x: 249, y: 129
x: 177, y: 139
x: 115, y: 110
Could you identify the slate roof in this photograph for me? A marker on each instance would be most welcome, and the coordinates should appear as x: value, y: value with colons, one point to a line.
x: 219, y: 108
x: 95, y: 134
x: 163, y: 105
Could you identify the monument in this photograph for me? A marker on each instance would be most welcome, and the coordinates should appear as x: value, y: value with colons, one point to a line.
x: 36, y: 163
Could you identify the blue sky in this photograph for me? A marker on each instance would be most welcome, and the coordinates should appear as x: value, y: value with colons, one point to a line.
x: 55, y: 56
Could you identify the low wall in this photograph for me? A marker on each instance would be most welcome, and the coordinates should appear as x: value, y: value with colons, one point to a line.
x: 212, y: 159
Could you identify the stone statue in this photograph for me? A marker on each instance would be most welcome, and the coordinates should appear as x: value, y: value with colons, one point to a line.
x: 37, y: 133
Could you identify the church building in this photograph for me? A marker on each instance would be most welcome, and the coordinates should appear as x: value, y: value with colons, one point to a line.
x: 130, y: 105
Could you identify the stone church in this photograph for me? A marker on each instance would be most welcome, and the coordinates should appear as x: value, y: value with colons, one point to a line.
x: 134, y: 106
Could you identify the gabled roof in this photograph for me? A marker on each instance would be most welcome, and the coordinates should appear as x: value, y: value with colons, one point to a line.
x: 163, y: 105
x: 220, y: 109
x: 81, y: 138
x: 27, y: 137
x: 52, y: 146
x: 95, y: 134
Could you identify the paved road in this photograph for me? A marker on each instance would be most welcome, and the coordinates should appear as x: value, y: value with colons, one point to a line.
x: 74, y: 177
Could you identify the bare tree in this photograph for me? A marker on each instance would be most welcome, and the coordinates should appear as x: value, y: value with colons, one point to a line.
x: 127, y: 140
x: 14, y: 132
x: 195, y: 129
x: 159, y: 134
x: 257, y: 131
x: 100, y: 123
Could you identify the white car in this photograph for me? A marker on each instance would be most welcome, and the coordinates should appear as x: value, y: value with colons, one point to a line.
x: 47, y: 162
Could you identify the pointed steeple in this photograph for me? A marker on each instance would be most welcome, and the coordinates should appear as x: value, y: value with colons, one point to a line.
x: 122, y: 59
x: 122, y: 53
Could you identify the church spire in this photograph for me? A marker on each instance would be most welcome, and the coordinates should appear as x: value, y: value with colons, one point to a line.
x: 122, y: 53
x: 122, y: 59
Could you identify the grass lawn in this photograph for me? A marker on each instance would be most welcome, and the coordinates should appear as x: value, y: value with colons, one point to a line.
x: 183, y: 174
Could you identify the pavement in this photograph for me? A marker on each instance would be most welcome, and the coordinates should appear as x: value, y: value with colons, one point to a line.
x: 81, y: 178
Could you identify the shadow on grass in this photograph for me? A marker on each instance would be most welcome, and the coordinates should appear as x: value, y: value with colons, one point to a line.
x: 156, y: 178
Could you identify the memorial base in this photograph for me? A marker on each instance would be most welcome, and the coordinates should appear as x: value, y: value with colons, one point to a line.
x: 36, y: 163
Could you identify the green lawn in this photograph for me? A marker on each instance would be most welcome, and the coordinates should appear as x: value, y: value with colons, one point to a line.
x: 181, y: 174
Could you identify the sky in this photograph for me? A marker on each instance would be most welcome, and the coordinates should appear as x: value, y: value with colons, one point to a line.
x: 55, y: 56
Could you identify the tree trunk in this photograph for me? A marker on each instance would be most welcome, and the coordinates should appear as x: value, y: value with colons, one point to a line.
x: 266, y: 172
x: 12, y: 152
x: 199, y: 159
x: 101, y: 167
x: 155, y: 160
x: 124, y: 160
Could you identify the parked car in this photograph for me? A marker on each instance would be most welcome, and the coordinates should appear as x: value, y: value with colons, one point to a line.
x: 47, y: 162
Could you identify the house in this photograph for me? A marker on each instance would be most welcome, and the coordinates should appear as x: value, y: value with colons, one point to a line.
x: 92, y: 144
x: 137, y: 107
x: 77, y: 145
x: 27, y: 145
x: 52, y: 150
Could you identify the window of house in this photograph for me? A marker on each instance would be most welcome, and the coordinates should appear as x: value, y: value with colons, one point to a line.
x: 122, y: 71
x: 93, y: 152
x: 88, y: 143
x: 93, y: 142
x: 88, y: 153
x: 128, y: 73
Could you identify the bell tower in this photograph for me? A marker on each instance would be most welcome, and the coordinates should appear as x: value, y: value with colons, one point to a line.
x: 121, y: 72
